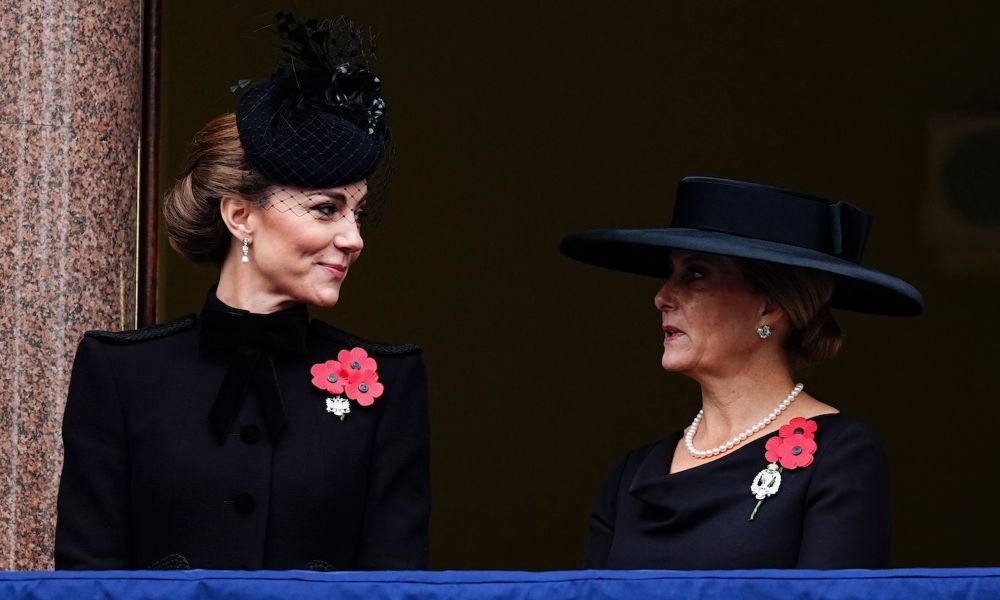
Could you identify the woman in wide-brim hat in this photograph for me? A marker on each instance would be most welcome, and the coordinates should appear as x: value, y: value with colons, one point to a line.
x: 765, y: 476
x: 248, y: 436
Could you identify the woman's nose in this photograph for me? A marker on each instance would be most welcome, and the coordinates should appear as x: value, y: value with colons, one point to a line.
x: 664, y: 298
x: 349, y: 239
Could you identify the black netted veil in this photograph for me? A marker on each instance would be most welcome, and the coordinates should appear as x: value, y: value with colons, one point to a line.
x: 301, y: 146
x: 319, y: 121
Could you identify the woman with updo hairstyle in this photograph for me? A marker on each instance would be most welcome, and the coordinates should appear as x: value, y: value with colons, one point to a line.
x: 248, y: 436
x: 766, y: 476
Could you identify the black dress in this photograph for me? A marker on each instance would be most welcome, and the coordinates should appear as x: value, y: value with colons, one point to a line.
x: 832, y: 514
x: 202, y: 443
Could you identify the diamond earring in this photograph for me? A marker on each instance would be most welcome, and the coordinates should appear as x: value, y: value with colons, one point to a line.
x: 246, y: 251
x: 765, y: 331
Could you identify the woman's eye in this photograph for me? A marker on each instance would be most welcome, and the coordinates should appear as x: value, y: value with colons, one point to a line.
x: 325, y: 210
x: 360, y: 215
x: 694, y: 274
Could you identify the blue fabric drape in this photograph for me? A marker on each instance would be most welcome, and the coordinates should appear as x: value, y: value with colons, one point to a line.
x: 489, y: 585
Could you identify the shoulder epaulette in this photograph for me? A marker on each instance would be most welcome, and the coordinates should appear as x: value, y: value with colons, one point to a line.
x: 349, y: 339
x: 146, y: 333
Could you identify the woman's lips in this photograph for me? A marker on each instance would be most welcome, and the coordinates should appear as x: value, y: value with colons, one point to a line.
x: 671, y: 333
x: 337, y: 271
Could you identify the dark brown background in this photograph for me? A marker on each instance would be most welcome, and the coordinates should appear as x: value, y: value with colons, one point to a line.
x: 519, y: 122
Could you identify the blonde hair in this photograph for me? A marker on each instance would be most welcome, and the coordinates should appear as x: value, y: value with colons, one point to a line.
x: 216, y: 166
x: 813, y: 334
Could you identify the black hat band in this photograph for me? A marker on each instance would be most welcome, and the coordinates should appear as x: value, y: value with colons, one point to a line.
x: 837, y: 229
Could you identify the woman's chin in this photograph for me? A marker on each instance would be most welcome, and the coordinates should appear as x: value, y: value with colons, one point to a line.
x: 324, y: 298
x: 672, y: 364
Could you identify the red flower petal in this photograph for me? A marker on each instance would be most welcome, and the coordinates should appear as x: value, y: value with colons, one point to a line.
x: 368, y: 398
x: 809, y: 445
x: 787, y: 462
x: 795, y: 451
x: 321, y: 377
x: 357, y: 356
x: 772, y: 446
x: 798, y: 426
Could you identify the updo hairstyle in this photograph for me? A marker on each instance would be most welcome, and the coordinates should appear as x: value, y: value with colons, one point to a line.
x: 813, y: 334
x: 216, y: 166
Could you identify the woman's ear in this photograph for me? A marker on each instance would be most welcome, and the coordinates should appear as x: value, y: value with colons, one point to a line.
x: 236, y: 214
x: 772, y: 311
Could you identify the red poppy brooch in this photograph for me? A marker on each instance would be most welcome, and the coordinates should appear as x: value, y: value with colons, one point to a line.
x: 792, y: 448
x: 354, y: 374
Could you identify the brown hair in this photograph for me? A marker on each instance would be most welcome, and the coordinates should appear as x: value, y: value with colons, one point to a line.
x: 813, y: 333
x: 216, y: 166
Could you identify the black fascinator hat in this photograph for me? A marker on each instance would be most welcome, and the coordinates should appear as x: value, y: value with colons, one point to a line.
x: 752, y: 221
x: 319, y: 120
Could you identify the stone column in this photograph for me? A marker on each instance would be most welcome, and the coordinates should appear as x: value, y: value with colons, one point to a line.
x: 70, y: 89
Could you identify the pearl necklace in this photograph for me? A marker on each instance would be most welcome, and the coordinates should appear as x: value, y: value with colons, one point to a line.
x: 736, y: 441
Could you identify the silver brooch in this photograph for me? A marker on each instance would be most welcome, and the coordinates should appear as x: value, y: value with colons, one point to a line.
x: 766, y: 483
x: 339, y: 406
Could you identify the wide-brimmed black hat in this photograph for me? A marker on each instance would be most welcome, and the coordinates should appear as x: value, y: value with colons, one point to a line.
x: 759, y: 222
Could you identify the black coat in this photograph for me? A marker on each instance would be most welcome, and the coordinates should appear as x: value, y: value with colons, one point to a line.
x: 146, y: 482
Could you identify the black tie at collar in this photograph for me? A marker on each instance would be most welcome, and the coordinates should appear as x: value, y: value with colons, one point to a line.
x: 251, y: 339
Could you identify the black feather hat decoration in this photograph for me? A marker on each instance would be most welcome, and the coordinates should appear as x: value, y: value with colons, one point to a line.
x: 319, y: 121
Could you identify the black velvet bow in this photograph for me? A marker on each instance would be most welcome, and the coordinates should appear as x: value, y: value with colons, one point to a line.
x: 250, y: 339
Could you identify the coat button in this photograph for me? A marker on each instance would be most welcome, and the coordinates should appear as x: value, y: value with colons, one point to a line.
x: 244, y: 503
x: 250, y: 434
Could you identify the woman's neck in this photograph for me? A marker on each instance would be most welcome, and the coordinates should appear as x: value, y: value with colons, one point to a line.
x: 243, y: 288
x: 733, y: 403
